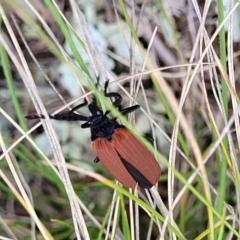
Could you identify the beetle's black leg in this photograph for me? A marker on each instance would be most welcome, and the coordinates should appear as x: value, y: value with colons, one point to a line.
x: 93, y: 108
x: 128, y: 110
x: 107, y: 112
x: 86, y: 125
x: 80, y: 105
x: 118, y: 100
x: 149, y: 138
x: 106, y: 86
x: 117, y: 97
x: 96, y: 159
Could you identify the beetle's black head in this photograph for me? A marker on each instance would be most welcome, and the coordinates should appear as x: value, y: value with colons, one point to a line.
x: 99, y: 124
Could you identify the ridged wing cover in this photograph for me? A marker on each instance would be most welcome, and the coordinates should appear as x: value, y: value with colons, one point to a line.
x: 112, y: 162
x: 136, y: 153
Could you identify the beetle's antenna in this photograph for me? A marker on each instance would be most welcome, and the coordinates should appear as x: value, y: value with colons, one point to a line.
x: 106, y: 86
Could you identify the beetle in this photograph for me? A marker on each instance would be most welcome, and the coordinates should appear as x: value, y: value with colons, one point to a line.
x: 116, y: 147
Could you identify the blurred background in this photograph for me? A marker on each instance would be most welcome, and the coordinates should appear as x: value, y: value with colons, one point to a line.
x: 170, y: 57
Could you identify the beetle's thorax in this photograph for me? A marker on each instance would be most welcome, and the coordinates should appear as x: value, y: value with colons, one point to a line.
x: 102, y: 126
